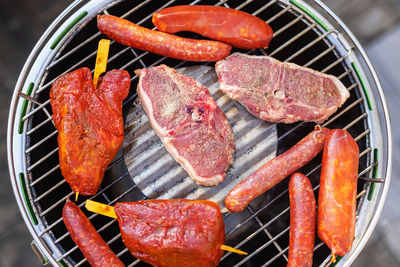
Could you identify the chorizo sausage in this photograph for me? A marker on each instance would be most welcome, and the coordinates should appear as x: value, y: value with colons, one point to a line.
x: 85, y: 236
x: 130, y: 34
x: 302, y: 221
x: 231, y: 26
x: 276, y: 170
x: 337, y: 194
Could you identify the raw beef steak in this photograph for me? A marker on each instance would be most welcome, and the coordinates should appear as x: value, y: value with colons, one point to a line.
x: 280, y: 92
x: 190, y: 124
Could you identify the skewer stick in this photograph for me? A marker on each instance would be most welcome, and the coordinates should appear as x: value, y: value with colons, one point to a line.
x: 100, y: 208
x: 106, y: 210
x: 76, y: 196
x: 101, y: 60
x: 333, y: 259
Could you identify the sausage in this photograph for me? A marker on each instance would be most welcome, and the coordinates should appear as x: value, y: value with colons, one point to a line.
x: 231, y: 26
x: 302, y: 221
x: 336, y: 217
x: 85, y: 236
x: 130, y: 34
x: 276, y: 170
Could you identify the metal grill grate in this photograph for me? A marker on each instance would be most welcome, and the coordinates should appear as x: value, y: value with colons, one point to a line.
x: 263, y: 228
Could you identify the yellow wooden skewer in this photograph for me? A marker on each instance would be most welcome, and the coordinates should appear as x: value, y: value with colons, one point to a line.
x: 76, y: 196
x: 106, y: 210
x: 101, y: 60
x: 100, y: 208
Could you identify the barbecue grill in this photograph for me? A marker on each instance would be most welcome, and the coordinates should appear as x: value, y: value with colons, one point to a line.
x: 308, y: 34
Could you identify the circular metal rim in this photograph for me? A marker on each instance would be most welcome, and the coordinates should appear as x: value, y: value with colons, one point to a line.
x: 59, y: 22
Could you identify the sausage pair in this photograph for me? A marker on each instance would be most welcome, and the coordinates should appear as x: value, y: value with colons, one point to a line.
x: 336, y: 217
x: 227, y: 25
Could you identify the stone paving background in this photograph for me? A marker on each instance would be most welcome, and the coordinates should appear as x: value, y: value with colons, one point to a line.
x: 376, y: 23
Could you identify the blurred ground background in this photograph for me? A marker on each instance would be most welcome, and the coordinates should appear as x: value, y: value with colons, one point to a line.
x: 376, y: 23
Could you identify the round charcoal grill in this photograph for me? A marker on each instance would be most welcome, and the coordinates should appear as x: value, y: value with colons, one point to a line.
x: 308, y: 34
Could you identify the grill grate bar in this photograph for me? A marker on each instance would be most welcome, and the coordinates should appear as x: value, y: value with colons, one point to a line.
x: 41, y: 141
x: 245, y: 4
x: 139, y: 5
x: 50, y: 190
x: 44, y: 175
x: 335, y: 63
x: 278, y: 14
x: 369, y: 168
x: 369, y: 149
x: 38, y: 126
x: 297, y: 36
x: 310, y: 45
x: 362, y: 134
x: 264, y: 7
x: 344, y: 74
x: 320, y: 56
x: 364, y: 115
x: 43, y: 159
x: 134, y: 263
x: 288, y: 25
x: 33, y: 111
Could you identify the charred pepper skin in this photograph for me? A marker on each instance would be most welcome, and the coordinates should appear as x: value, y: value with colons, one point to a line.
x: 228, y: 25
x: 336, y: 217
x: 89, y: 123
x: 85, y: 236
x: 174, y: 232
x: 276, y: 170
x: 302, y: 221
x: 130, y: 34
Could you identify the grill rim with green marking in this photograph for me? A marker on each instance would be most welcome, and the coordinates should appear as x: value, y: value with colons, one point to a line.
x: 62, y: 30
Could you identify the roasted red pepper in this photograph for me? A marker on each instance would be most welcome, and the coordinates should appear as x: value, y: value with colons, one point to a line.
x: 175, y: 232
x: 89, y: 123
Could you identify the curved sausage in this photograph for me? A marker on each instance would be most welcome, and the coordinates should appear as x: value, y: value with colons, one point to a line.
x: 276, y: 170
x: 85, y: 236
x: 302, y: 221
x: 130, y: 34
x: 231, y: 26
x: 336, y: 217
